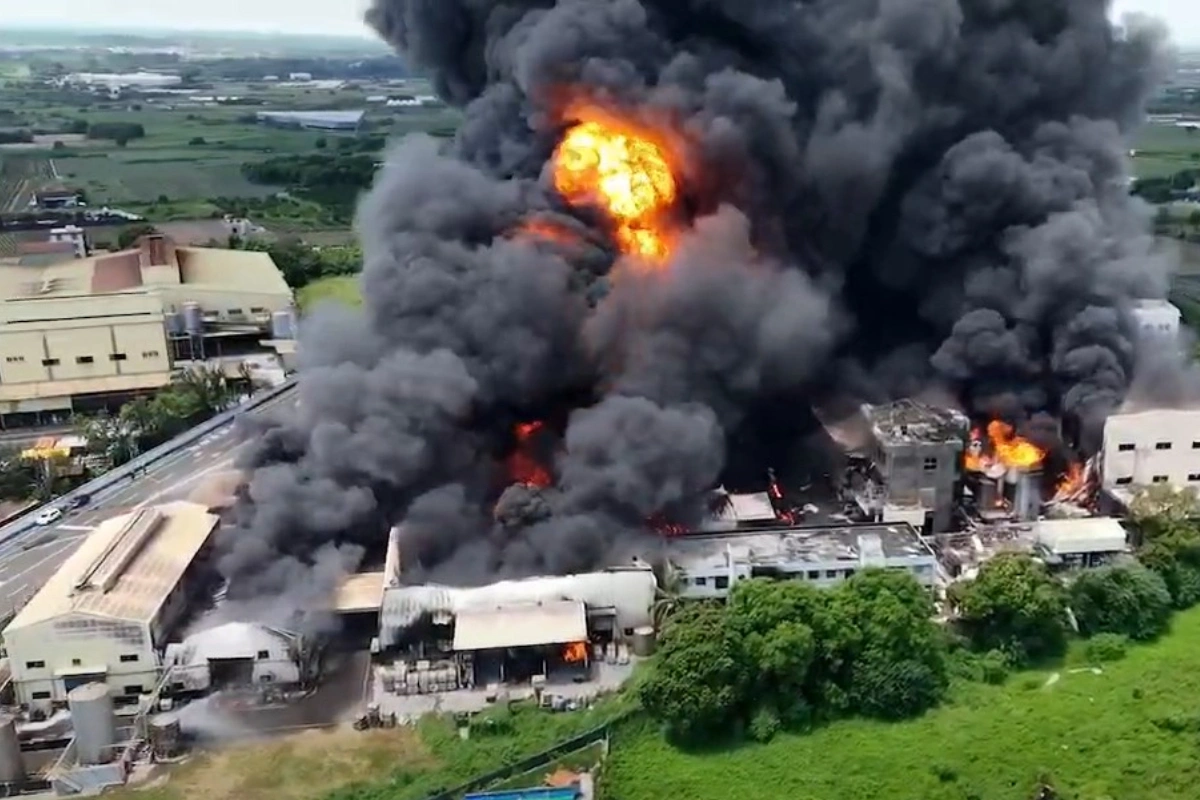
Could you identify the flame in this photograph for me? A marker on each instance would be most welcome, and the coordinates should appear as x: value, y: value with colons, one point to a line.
x: 1072, y: 481
x: 665, y: 527
x: 626, y: 170
x: 1004, y: 446
x: 523, y: 465
x: 575, y: 653
x: 542, y: 230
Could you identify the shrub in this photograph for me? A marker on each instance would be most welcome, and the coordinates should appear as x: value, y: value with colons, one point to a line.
x: 764, y: 725
x: 1105, y: 647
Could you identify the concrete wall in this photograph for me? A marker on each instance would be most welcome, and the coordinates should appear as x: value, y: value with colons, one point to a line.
x: 923, y: 473
x: 716, y: 582
x: 76, y: 642
x: 1149, y: 447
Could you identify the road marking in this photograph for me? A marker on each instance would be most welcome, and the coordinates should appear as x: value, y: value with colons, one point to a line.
x: 77, y: 527
x: 179, y: 484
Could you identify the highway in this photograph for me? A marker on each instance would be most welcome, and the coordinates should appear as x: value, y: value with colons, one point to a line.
x: 32, y: 556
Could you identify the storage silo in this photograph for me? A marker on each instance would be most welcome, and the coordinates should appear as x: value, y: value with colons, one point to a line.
x: 193, y: 318
x: 282, y: 325
x: 644, y: 641
x: 174, y: 323
x: 165, y: 735
x: 95, y: 723
x: 12, y: 767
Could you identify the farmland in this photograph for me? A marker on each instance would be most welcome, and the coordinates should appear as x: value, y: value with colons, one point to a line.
x: 1163, y: 149
x: 1120, y: 731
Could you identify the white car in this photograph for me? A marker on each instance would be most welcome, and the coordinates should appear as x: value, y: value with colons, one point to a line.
x: 48, y: 516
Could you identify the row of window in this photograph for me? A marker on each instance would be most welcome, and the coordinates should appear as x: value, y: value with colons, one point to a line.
x: 237, y: 312
x: 1193, y: 477
x: 130, y: 690
x: 54, y: 362
x: 1129, y: 447
x: 722, y: 581
x: 127, y: 658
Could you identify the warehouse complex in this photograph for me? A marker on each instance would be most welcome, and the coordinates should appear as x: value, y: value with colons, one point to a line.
x: 108, y: 611
x: 89, y: 332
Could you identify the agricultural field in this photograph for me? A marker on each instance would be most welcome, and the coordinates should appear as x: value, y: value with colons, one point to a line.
x: 1121, y: 730
x: 336, y: 288
x: 1161, y: 150
x: 20, y: 177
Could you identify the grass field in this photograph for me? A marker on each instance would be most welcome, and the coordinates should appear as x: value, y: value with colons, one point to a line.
x: 1162, y: 150
x: 130, y: 177
x: 1127, y: 733
x: 337, y: 288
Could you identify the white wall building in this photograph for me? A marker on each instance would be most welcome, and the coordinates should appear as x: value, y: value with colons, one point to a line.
x: 1148, y: 447
x: 236, y: 654
x: 106, y: 612
x: 709, y: 566
x: 1084, y: 542
x: 73, y: 235
x: 1158, y: 321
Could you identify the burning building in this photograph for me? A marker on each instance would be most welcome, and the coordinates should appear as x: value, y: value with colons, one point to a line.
x: 663, y: 231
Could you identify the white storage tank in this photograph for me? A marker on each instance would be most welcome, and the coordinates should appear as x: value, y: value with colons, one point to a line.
x: 95, y: 723
x: 193, y: 318
x: 644, y: 641
x: 174, y: 322
x: 283, y: 325
x: 12, y: 768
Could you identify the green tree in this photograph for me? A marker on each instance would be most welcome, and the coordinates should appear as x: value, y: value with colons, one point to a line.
x: 693, y: 687
x: 1167, y: 532
x: 1014, y: 606
x: 20, y: 478
x: 128, y: 237
x: 1129, y: 600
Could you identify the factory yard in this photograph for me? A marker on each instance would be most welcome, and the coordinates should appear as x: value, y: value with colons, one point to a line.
x: 1122, y: 733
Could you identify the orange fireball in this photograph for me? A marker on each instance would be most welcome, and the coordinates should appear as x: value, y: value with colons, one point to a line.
x: 627, y: 171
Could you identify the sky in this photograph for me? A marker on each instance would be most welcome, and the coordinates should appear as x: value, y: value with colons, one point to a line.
x: 345, y: 16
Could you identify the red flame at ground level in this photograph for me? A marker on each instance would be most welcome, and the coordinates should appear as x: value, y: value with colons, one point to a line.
x: 523, y: 464
x: 575, y: 653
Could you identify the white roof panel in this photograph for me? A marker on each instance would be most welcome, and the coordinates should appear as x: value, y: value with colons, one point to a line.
x: 556, y: 622
x: 1088, y: 535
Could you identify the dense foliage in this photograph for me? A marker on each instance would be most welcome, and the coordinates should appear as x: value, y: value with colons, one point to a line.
x: 119, y: 132
x: 301, y: 264
x: 1014, y: 606
x: 1166, y: 523
x: 1131, y: 601
x: 786, y: 654
x: 332, y: 179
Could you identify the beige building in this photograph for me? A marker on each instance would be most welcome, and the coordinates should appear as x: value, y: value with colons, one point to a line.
x: 85, y: 332
x: 105, y: 615
x: 1143, y: 448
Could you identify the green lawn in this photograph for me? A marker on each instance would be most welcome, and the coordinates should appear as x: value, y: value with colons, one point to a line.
x: 1162, y: 150
x: 339, y: 288
x: 1129, y: 733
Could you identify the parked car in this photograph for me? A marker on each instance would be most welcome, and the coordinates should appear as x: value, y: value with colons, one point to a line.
x: 48, y: 516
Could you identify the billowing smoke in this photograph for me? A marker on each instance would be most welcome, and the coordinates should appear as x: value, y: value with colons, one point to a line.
x: 878, y: 197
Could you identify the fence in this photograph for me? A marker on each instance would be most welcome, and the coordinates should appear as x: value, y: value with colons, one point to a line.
x: 563, y: 748
x: 149, y: 457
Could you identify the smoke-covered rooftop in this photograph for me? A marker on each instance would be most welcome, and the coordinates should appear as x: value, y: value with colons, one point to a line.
x: 826, y: 199
x: 908, y: 421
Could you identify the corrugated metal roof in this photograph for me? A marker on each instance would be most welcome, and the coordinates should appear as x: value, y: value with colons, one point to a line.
x: 558, y: 622
x: 1086, y: 535
x: 143, y: 573
x: 360, y: 592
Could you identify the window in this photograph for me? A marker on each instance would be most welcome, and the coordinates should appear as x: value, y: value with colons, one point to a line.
x: 117, y: 357
x: 1128, y: 479
x: 266, y: 677
x: 849, y: 573
x: 149, y: 354
x: 76, y: 662
x: 49, y: 362
x: 40, y: 695
x: 15, y: 359
x: 133, y: 689
x: 257, y: 310
x: 235, y: 312
x: 831, y: 573
x: 701, y: 581
x: 1194, y: 476
x: 721, y: 582
x: 177, y: 686
x: 129, y: 658
x: 84, y: 359
x: 813, y: 574
x: 1196, y: 445
x: 1125, y: 448
x: 263, y: 655
x: 1162, y: 445
x: 35, y: 664
x: 930, y: 463
x: 1159, y: 479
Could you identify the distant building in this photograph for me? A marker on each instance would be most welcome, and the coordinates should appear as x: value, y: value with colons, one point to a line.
x: 1157, y: 321
x: 708, y: 566
x: 107, y: 612
x: 91, y: 332
x: 72, y: 236
x: 314, y: 120
x: 62, y: 197
x: 300, y: 77
x: 1146, y: 448
x: 114, y: 80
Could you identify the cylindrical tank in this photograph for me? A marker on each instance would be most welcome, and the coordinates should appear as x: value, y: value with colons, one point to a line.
x: 174, y: 322
x: 12, y: 768
x: 164, y: 735
x: 990, y: 495
x: 193, y: 318
x: 643, y: 641
x: 95, y: 724
x: 282, y: 325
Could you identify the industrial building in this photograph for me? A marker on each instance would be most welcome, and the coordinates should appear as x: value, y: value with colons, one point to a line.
x: 236, y: 655
x: 314, y: 120
x: 1157, y: 322
x: 707, y: 566
x: 1145, y: 448
x: 105, y: 615
x: 915, y: 454
x: 91, y: 332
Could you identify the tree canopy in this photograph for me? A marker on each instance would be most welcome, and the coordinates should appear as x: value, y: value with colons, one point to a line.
x: 1014, y: 606
x: 1129, y: 600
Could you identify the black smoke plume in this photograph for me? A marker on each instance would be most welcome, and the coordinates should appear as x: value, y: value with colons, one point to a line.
x: 881, y: 197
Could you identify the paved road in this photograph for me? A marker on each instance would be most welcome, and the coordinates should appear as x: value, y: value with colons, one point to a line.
x: 27, y: 560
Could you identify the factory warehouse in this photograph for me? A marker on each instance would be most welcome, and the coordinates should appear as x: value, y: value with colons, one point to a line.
x: 106, y: 614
